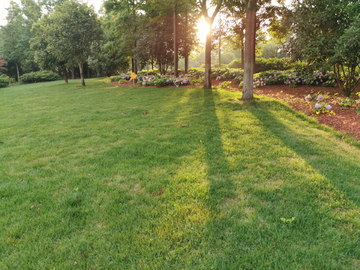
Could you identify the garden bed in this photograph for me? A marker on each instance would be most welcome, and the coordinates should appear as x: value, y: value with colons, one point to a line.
x: 345, y: 119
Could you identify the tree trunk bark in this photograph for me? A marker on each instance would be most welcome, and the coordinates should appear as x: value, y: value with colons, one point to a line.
x: 18, y: 73
x: 72, y: 72
x: 65, y: 74
x: 254, y: 37
x: 186, y: 54
x: 242, y: 58
x: 81, y: 65
x: 249, y: 51
x: 176, y: 46
x: 220, y: 52
x: 134, y: 69
x: 207, y: 81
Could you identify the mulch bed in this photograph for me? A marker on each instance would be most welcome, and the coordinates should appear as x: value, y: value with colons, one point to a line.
x: 345, y: 120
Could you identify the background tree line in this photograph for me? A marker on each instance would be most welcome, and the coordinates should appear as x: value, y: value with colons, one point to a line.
x: 69, y: 37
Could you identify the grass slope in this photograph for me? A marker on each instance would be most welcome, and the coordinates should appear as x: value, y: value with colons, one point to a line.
x: 246, y: 185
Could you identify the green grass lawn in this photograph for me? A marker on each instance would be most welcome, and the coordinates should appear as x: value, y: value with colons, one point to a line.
x: 245, y: 185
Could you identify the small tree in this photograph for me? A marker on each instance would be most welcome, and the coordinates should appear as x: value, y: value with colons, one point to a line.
x: 328, y: 31
x: 209, y: 19
x: 74, y: 29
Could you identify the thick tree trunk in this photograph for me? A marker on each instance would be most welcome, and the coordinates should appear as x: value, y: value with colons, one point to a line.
x: 254, y: 53
x: 134, y: 66
x: 72, y: 72
x: 242, y: 58
x: 220, y: 52
x: 65, y: 75
x: 176, y: 46
x: 249, y: 50
x: 207, y: 81
x: 18, y: 73
x: 81, y: 65
x: 186, y: 54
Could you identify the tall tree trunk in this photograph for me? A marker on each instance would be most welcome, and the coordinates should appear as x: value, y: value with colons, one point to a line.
x: 207, y: 81
x: 65, y: 74
x: 18, y: 73
x: 219, y: 51
x: 220, y: 44
x: 176, y: 45
x: 186, y: 53
x: 254, y: 53
x: 134, y: 65
x: 72, y: 72
x: 242, y: 58
x: 81, y: 65
x: 249, y: 50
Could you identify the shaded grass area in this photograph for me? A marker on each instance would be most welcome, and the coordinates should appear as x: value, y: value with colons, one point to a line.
x: 246, y: 185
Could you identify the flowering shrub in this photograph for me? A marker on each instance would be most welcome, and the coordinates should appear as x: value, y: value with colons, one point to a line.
x: 225, y: 84
x: 151, y: 72
x: 322, y: 108
x: 271, y: 77
x: 347, y: 102
x: 238, y: 79
x: 162, y: 80
x: 320, y: 98
x: 318, y: 78
x: 308, y: 98
x: 226, y: 73
x: 194, y: 72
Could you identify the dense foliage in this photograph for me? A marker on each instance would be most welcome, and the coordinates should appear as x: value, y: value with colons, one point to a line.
x: 328, y: 31
x: 4, y: 80
x: 39, y: 76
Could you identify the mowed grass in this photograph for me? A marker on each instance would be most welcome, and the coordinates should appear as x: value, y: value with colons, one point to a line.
x: 245, y: 185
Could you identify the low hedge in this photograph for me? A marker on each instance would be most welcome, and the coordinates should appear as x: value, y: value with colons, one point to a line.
x: 262, y: 64
x: 4, y: 80
x: 39, y: 76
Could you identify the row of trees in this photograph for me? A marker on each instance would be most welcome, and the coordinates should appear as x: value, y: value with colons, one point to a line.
x: 137, y: 31
x: 157, y: 32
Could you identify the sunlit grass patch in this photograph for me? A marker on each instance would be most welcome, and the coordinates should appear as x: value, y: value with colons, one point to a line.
x: 171, y: 178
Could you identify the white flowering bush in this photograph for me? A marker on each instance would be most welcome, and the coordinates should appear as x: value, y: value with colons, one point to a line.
x: 226, y: 73
x: 163, y: 80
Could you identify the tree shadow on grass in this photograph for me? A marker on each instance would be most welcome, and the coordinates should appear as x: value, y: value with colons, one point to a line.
x: 285, y: 208
x: 328, y: 155
x: 229, y: 178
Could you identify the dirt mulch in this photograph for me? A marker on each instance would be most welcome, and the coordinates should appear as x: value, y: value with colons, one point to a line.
x: 345, y: 120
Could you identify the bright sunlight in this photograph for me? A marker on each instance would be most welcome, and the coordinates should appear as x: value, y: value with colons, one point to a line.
x: 203, y: 29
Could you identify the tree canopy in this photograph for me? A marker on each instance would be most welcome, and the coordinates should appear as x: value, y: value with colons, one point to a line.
x: 327, y: 31
x: 71, y: 31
